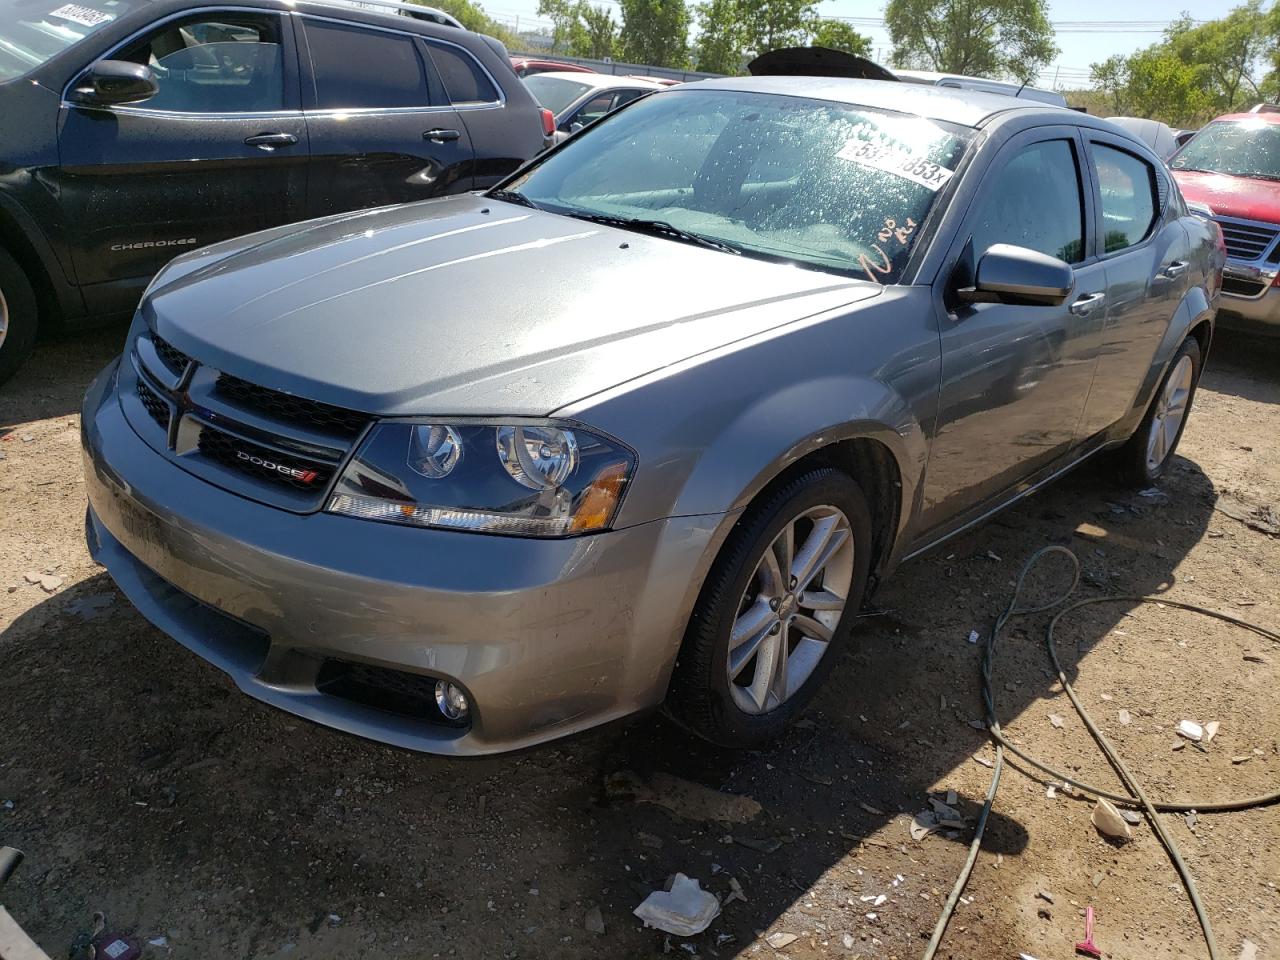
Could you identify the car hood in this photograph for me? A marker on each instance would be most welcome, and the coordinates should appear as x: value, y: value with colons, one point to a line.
x: 1242, y: 197
x: 469, y: 306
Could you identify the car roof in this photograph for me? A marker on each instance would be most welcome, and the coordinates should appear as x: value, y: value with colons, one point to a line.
x: 966, y: 107
x: 1262, y: 116
x: 598, y: 81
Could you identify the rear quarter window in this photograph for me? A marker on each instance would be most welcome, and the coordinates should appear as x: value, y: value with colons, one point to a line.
x: 464, y: 79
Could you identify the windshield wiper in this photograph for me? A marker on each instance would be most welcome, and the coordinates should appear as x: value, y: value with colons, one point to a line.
x: 513, y: 196
x: 1261, y: 176
x: 658, y: 228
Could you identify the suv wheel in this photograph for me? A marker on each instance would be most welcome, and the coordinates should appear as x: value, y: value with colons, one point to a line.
x: 776, y: 608
x: 1145, y: 458
x: 17, y: 317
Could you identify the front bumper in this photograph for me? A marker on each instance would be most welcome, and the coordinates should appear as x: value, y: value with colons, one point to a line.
x: 547, y: 637
x: 1253, y: 314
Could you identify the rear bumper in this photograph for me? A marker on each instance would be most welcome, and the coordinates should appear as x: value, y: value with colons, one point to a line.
x: 547, y: 637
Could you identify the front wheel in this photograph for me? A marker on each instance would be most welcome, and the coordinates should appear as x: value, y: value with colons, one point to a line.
x: 776, y: 608
x: 17, y: 317
x: 1146, y: 457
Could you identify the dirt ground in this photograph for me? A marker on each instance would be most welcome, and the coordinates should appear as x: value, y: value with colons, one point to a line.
x: 141, y: 784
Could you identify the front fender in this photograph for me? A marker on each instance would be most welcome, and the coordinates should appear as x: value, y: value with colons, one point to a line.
x: 712, y: 432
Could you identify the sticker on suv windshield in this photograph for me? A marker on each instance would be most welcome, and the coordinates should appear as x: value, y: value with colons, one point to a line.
x: 85, y: 16
x: 921, y: 170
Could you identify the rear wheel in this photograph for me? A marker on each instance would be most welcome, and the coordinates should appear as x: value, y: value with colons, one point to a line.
x: 17, y: 316
x: 1146, y: 457
x: 776, y: 608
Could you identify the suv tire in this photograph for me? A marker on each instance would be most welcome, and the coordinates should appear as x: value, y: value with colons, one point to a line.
x: 18, y: 317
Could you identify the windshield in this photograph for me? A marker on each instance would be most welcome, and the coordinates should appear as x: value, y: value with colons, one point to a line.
x: 32, y: 32
x: 1241, y: 148
x: 554, y: 93
x: 823, y: 185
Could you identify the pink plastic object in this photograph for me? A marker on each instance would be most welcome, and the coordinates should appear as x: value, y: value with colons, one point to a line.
x: 1086, y: 946
x: 112, y: 946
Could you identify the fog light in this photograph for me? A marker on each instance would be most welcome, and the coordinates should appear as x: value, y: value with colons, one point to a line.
x: 451, y: 700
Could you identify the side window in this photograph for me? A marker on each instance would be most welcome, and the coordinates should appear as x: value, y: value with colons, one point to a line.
x: 591, y: 111
x: 356, y: 68
x: 463, y: 78
x: 1036, y: 204
x: 226, y: 63
x: 626, y: 96
x: 1128, y: 196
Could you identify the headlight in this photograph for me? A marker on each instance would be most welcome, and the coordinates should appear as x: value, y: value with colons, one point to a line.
x: 523, y: 479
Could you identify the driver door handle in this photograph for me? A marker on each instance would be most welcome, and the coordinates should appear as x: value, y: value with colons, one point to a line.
x: 1085, y: 305
x: 269, y: 141
x: 441, y: 136
x: 1172, y: 271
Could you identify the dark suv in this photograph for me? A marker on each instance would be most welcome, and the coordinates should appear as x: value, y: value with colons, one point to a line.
x: 132, y: 130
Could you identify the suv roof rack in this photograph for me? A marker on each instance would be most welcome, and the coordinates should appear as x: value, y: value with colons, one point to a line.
x: 414, y: 10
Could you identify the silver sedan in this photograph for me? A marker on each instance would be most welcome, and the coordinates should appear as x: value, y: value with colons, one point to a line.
x: 647, y: 424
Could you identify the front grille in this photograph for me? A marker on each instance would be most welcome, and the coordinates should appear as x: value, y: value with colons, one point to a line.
x: 264, y: 463
x: 171, y: 356
x: 157, y: 409
x: 1241, y: 287
x: 1246, y: 241
x: 298, y: 411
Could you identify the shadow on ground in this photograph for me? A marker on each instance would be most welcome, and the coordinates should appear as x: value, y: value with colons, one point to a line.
x: 146, y: 786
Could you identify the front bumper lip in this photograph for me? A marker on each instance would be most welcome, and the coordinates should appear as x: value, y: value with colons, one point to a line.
x: 548, y: 637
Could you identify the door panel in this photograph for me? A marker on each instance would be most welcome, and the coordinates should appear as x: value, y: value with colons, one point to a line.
x: 1146, y: 258
x: 1015, y: 378
x: 498, y: 148
x: 379, y: 132
x: 144, y: 182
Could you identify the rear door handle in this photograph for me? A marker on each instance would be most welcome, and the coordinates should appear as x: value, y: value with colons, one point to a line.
x: 269, y: 141
x: 441, y: 136
x: 1085, y: 305
x: 1172, y: 271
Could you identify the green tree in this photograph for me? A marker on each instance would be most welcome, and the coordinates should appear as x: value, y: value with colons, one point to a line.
x: 771, y: 24
x: 1111, y: 79
x: 719, y: 48
x: 566, y: 24
x: 655, y: 32
x: 992, y: 38
x: 1231, y: 52
x: 599, y: 35
x: 838, y: 35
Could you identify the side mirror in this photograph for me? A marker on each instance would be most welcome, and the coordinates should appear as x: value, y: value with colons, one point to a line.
x: 110, y: 82
x: 1009, y: 274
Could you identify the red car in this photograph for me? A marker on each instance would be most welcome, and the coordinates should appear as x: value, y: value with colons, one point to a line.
x: 527, y: 67
x: 1230, y: 171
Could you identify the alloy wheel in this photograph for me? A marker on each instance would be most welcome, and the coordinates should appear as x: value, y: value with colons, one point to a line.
x: 1171, y: 410
x: 790, y: 609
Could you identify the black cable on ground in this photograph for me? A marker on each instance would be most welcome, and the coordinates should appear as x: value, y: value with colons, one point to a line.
x: 1138, y: 797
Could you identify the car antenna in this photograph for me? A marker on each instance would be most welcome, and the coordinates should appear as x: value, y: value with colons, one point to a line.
x: 1021, y: 88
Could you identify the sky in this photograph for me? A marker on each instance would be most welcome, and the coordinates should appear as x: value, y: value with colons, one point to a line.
x: 1090, y: 30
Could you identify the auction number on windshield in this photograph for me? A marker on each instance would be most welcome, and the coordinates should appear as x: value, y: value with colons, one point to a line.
x: 921, y: 170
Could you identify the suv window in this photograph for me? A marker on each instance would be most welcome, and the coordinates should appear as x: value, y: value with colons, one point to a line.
x: 357, y: 69
x: 464, y: 79
x: 1128, y: 196
x: 231, y: 63
x: 1036, y: 204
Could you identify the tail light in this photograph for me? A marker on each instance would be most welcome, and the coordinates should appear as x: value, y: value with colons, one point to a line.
x: 1221, y: 258
x: 548, y: 122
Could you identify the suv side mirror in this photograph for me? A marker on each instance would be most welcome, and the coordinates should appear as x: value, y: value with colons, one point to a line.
x: 110, y: 82
x: 1009, y: 274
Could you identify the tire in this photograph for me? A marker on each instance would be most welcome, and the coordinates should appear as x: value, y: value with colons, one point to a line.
x: 1142, y: 462
x: 702, y: 697
x: 18, y: 317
